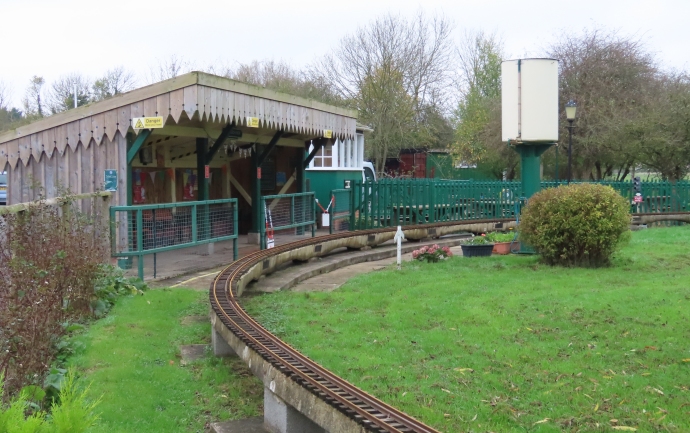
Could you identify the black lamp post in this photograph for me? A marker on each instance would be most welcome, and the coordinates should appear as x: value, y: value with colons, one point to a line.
x: 570, y: 110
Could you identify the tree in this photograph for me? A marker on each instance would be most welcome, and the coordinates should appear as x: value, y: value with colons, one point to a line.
x: 281, y: 77
x: 115, y: 81
x: 608, y: 75
x: 33, y: 102
x: 477, y: 117
x: 660, y: 134
x: 9, y: 117
x: 169, y: 68
x: 399, y: 55
x: 4, y: 96
x: 62, y: 93
x: 388, y: 109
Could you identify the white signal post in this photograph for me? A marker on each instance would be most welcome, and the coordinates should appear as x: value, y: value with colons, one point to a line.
x: 399, y: 236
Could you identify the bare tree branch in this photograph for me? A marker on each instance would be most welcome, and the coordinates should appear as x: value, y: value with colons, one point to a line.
x: 115, y: 81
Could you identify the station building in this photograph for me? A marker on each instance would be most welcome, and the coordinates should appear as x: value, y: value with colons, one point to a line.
x: 218, y: 138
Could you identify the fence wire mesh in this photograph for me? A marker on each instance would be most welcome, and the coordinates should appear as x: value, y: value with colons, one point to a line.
x: 151, y: 229
x: 286, y: 216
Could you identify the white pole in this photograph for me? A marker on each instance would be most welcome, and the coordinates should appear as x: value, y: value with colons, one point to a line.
x: 399, y: 236
x: 75, y: 95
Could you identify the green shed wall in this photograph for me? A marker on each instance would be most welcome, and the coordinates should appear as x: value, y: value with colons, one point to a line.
x: 322, y: 182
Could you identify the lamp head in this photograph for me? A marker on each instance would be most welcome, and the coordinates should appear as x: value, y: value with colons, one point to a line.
x: 570, y: 110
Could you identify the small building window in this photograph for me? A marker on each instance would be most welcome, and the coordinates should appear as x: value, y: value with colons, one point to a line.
x: 324, y: 157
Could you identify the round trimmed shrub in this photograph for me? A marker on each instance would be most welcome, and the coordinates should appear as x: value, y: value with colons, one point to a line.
x: 576, y: 225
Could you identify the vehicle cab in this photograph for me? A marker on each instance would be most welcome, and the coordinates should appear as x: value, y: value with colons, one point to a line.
x: 336, y: 166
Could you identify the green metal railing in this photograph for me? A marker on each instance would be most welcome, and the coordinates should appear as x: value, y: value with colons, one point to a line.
x: 136, y: 231
x: 388, y: 203
x: 340, y: 211
x: 657, y: 196
x: 287, y: 211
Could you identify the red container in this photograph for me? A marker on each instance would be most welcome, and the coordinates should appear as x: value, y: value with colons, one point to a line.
x: 502, y: 248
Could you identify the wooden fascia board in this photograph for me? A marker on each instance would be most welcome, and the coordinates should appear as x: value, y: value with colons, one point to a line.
x: 92, y: 109
x: 194, y: 132
x: 166, y: 86
x: 262, y: 92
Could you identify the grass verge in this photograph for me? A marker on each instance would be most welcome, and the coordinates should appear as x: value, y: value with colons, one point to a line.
x: 506, y: 344
x: 132, y: 358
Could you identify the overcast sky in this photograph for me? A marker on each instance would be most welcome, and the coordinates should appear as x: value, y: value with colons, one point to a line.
x: 56, y: 37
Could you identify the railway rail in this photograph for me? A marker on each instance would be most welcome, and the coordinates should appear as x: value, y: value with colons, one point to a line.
x: 366, y: 410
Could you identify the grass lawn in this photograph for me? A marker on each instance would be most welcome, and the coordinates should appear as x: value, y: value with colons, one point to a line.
x: 132, y: 360
x: 504, y: 344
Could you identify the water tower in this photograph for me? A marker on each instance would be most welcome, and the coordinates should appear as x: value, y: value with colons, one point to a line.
x: 529, y: 99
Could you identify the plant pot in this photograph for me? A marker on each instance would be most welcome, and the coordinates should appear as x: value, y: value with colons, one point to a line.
x: 502, y: 248
x: 477, y: 250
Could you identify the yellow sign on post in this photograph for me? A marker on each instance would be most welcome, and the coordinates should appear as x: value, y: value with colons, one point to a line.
x: 253, y: 122
x: 148, y: 122
x: 327, y: 133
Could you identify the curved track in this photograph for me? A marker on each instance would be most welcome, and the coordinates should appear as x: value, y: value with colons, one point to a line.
x: 227, y: 287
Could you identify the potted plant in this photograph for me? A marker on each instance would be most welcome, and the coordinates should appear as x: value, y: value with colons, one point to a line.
x: 478, y: 246
x: 501, y: 241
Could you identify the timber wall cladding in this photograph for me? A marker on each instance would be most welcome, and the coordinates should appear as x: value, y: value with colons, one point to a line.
x: 78, y: 170
x: 207, y: 103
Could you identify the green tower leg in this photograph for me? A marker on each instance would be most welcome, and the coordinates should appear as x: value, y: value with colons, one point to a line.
x: 530, y: 159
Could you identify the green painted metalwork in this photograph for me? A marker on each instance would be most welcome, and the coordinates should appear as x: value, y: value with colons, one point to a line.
x: 388, y: 203
x: 136, y: 145
x: 657, y: 196
x: 257, y: 212
x: 288, y: 211
x: 340, y: 212
x: 530, y: 169
x: 152, y: 229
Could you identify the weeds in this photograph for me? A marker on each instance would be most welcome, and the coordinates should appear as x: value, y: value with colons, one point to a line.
x: 72, y: 412
x: 51, y: 264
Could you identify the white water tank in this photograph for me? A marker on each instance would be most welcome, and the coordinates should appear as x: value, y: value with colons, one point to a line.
x: 529, y: 100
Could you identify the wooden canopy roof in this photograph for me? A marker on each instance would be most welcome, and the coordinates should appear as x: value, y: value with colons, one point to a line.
x: 199, y: 96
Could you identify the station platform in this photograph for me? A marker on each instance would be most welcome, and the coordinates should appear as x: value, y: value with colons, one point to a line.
x: 174, y: 263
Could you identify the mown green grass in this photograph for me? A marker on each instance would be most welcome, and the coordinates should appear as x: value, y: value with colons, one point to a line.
x: 505, y: 344
x: 132, y: 360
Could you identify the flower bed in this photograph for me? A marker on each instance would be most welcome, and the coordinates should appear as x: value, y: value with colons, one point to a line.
x: 432, y: 253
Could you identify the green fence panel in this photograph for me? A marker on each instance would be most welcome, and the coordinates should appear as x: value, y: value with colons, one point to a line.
x: 137, y: 231
x: 388, y: 203
x: 341, y: 210
x: 294, y: 212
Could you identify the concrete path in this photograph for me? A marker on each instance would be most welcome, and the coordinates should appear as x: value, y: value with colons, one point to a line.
x: 340, y: 266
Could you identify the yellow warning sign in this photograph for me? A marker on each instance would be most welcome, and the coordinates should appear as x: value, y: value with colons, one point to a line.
x: 327, y: 133
x: 148, y: 122
x: 253, y: 122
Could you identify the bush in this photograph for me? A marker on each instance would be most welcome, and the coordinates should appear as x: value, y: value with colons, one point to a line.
x: 576, y: 225
x: 50, y: 260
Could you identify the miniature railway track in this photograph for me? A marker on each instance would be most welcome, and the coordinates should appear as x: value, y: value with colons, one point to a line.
x: 360, y: 406
x: 367, y: 410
